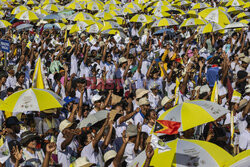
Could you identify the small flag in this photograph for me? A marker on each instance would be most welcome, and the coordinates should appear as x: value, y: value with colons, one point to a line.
x: 39, y: 79
x: 176, y: 91
x: 28, y: 45
x: 92, y: 40
x: 167, y: 127
x: 214, y: 96
x: 37, y: 39
x: 4, y: 152
x: 232, y: 128
x: 236, y: 97
x: 69, y: 43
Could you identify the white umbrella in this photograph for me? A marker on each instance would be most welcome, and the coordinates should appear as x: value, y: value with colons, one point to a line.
x: 236, y: 25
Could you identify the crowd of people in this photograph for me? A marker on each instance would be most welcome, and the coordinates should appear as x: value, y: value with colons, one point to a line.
x: 132, y: 78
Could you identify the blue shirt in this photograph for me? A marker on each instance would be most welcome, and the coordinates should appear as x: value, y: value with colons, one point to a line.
x: 212, y: 75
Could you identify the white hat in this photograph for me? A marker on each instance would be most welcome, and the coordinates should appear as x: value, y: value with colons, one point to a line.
x: 165, y: 100
x: 204, y: 89
x: 109, y: 155
x: 95, y: 98
x: 49, y: 111
x: 64, y: 124
x: 247, y: 89
x: 246, y: 60
x: 122, y: 60
x: 143, y: 101
x: 126, y: 40
x: 141, y: 92
x: 82, y: 162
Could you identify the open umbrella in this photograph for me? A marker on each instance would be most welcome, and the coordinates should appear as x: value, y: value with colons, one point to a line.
x: 4, y: 24
x: 1, y: 14
x: 240, y: 160
x: 45, y: 2
x: 247, y: 5
x: 210, y: 27
x: 81, y: 16
x: 105, y: 15
x: 243, y: 14
x: 95, y: 5
x: 192, y: 22
x: 52, y: 7
x: 201, y: 6
x: 81, y: 25
x: 74, y: 5
x: 165, y: 22
x: 27, y: 15
x: 186, y: 152
x: 52, y: 17
x: 235, y: 3
x: 19, y: 9
x: 236, y: 25
x: 235, y: 9
x: 216, y: 15
x: 32, y: 100
x: 114, y: 32
x: 194, y: 113
x: 141, y: 18
x: 93, y: 119
x: 32, y: 2
x: 94, y: 28
x: 133, y: 5
x: 111, y: 25
x: 162, y: 14
x: 24, y: 27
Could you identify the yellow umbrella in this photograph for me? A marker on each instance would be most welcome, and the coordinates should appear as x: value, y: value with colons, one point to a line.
x: 19, y: 9
x: 127, y: 10
x: 243, y: 14
x: 247, y: 5
x: 1, y: 14
x: 192, y: 22
x: 234, y: 9
x: 162, y: 9
x: 41, y: 12
x: 161, y: 3
x: 201, y: 6
x: 235, y: 3
x: 120, y: 20
x: 6, y: 5
x: 113, y: 2
x: 32, y: 2
x: 94, y: 28
x: 216, y: 15
x: 111, y: 25
x: 4, y: 24
x: 244, y: 21
x: 186, y: 152
x: 192, y: 13
x: 52, y: 7
x: 210, y: 27
x: 162, y: 14
x: 199, y: 111
x: 240, y: 160
x: 27, y: 15
x: 182, y: 3
x: 32, y: 100
x: 74, y: 5
x: 165, y: 22
x: 133, y: 5
x: 80, y: 26
x: 45, y: 2
x: 60, y: 25
x: 81, y: 16
x: 111, y: 7
x: 141, y: 18
x: 105, y: 15
x: 95, y: 5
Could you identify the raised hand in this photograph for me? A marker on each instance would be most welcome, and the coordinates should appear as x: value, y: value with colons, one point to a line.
x: 149, y: 151
x: 50, y: 147
x: 125, y: 138
x: 139, y: 128
x: 17, y: 153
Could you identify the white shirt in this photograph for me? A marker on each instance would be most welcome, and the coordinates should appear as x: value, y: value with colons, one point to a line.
x: 68, y: 155
x: 33, y: 160
x: 119, y: 128
x: 11, y: 82
x: 145, y: 128
x: 244, y: 142
x: 129, y: 153
x: 138, y: 118
x: 89, y: 152
x: 62, y: 91
x: 73, y: 65
x: 154, y: 100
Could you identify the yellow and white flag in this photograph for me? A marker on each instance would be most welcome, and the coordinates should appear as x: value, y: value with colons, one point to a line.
x: 92, y: 40
x: 28, y: 45
x: 176, y: 91
x: 236, y: 97
x: 214, y: 96
x: 39, y: 79
x: 68, y: 43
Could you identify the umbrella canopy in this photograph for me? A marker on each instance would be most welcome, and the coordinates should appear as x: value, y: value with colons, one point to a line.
x: 192, y: 22
x: 45, y: 2
x: 161, y: 3
x: 216, y: 15
x: 32, y: 2
x: 236, y: 25
x: 41, y: 12
x: 141, y: 18
x: 210, y: 27
x: 52, y: 7
x: 93, y: 119
x: 201, y: 6
x: 235, y: 9
x: 111, y: 25
x: 162, y: 14
x: 94, y: 28
x: 80, y: 26
x: 27, y: 15
x: 94, y: 5
x: 1, y: 14
x: 191, y: 153
x: 240, y: 160
x: 243, y: 14
x: 235, y: 3
x: 4, y: 24
x: 169, y: 32
x: 52, y: 17
x: 182, y: 3
x: 165, y: 22
x: 74, y: 5
x: 105, y: 15
x: 110, y: 7
x: 245, y: 21
x: 19, y: 9
x: 33, y: 100
x: 199, y: 111
x: 133, y: 5
x: 24, y: 27
x: 113, y: 2
x: 247, y: 5
x: 81, y: 16
x: 114, y: 32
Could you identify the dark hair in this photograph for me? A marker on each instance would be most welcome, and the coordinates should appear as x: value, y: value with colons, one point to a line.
x: 19, y: 74
x: 10, y: 89
x: 57, y: 77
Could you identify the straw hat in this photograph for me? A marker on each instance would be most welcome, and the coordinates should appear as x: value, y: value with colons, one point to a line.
x: 165, y: 100
x: 246, y: 60
x: 242, y: 104
x: 109, y: 155
x: 96, y: 98
x: 141, y: 92
x: 131, y: 130
x: 64, y: 124
x: 122, y: 60
x: 115, y: 99
x: 81, y: 162
x: 50, y: 111
x: 143, y: 101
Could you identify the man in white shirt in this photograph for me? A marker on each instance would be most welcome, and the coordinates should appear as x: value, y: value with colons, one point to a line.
x: 244, y: 141
x: 144, y: 106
